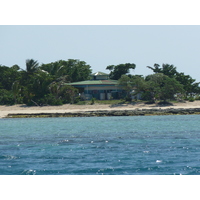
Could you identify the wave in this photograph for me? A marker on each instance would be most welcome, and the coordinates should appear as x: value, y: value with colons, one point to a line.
x: 29, y: 172
x: 8, y: 157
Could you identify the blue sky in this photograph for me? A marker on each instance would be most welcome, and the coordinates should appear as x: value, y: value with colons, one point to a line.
x: 100, y: 46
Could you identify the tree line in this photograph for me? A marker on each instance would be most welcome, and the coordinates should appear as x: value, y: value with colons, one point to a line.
x: 165, y: 84
x: 42, y: 84
x: 45, y: 84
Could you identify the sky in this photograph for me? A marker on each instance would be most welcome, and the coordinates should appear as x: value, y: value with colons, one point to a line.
x: 103, y: 45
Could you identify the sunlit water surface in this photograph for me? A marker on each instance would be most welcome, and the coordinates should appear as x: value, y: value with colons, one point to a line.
x: 136, y: 145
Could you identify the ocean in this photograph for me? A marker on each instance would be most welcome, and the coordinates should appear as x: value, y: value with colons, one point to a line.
x: 135, y: 145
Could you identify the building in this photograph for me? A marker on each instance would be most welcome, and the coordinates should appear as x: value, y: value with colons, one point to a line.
x: 99, y: 87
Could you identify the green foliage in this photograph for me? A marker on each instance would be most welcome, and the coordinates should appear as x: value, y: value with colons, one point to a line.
x: 110, y: 102
x: 189, y: 84
x: 191, y: 99
x: 127, y: 83
x: 8, y: 76
x: 38, y: 86
x: 118, y: 70
x: 166, y: 69
x: 31, y: 66
x: 6, y: 97
x: 154, y: 87
x: 80, y: 102
x: 16, y: 89
x: 48, y: 84
x: 162, y: 87
x: 76, y: 70
x: 50, y: 99
x: 133, y: 84
x: 63, y: 92
x: 93, y: 101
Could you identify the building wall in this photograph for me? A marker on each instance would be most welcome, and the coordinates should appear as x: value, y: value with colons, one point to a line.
x: 102, y: 92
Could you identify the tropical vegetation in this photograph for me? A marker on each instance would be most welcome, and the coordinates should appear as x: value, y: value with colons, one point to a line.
x: 45, y: 84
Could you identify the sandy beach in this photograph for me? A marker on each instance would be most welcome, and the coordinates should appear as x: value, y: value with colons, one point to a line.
x: 18, y: 109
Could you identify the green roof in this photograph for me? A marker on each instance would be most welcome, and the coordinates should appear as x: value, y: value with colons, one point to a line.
x: 96, y: 82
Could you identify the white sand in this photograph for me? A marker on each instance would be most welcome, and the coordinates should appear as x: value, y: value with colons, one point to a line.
x: 15, y: 109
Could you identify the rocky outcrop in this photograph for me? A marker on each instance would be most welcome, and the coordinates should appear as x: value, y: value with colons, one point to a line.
x: 102, y: 113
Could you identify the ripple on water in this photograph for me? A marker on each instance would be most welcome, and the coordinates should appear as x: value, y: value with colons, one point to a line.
x: 8, y: 157
x: 110, y: 145
x: 29, y: 172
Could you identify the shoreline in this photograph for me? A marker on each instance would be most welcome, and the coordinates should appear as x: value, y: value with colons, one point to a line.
x: 70, y: 110
x: 104, y: 113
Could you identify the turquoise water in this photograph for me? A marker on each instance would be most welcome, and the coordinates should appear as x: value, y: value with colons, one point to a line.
x: 142, y: 145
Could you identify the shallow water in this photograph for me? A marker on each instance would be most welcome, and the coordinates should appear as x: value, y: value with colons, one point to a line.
x: 101, y: 145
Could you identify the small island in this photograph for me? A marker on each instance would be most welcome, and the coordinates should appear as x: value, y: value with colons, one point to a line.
x: 70, y: 89
x: 99, y: 110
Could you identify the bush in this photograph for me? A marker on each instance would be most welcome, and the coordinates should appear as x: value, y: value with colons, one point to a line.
x: 146, y: 96
x: 150, y: 102
x: 197, y: 97
x: 165, y: 103
x: 128, y: 98
x: 6, y: 97
x: 76, y: 100
x: 93, y: 101
x: 50, y: 99
x: 81, y: 103
x: 191, y: 99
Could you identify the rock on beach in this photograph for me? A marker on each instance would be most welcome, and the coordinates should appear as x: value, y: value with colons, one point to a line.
x: 99, y: 110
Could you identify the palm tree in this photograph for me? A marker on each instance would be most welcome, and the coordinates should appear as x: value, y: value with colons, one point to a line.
x: 16, y: 90
x: 31, y: 66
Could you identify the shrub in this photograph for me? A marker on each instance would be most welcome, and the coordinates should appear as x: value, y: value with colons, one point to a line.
x: 93, y: 101
x: 80, y: 103
x: 128, y: 98
x: 50, y: 99
x: 76, y: 100
x: 197, y: 97
x: 191, y: 99
x: 6, y: 97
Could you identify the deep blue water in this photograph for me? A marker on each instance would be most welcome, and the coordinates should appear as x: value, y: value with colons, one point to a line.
x: 143, y: 145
